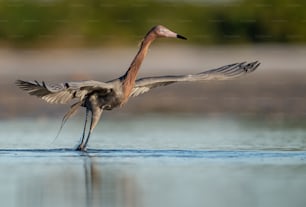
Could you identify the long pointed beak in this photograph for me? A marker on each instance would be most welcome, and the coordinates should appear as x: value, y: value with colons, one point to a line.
x: 169, y: 33
x: 181, y: 37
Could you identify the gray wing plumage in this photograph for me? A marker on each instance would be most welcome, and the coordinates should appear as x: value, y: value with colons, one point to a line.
x: 62, y: 92
x: 223, y: 73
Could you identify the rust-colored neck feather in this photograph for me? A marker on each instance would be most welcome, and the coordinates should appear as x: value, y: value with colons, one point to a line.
x: 129, y: 77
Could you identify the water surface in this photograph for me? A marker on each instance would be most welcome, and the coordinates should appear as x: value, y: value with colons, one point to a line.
x: 154, y: 160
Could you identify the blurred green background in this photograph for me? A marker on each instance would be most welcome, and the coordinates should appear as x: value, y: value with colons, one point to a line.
x: 92, y: 23
x: 65, y: 40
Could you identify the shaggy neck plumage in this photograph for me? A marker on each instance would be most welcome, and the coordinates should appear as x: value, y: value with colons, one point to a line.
x: 129, y: 77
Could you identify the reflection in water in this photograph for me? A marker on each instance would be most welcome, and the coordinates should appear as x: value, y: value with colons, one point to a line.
x: 171, y: 178
x: 91, y: 178
x: 82, y: 181
x: 186, y: 162
x: 110, y: 188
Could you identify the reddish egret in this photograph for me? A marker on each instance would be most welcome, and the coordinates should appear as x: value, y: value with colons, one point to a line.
x: 97, y: 96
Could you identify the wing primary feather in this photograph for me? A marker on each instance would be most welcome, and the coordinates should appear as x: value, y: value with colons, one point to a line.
x: 224, y: 67
x: 225, y: 72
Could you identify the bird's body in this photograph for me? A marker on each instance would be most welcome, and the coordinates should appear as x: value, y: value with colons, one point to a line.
x: 97, y: 96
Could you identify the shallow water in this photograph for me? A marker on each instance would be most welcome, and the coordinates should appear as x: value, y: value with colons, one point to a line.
x: 154, y: 160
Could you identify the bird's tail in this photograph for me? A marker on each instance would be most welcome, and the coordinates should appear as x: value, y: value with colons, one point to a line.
x: 73, y: 109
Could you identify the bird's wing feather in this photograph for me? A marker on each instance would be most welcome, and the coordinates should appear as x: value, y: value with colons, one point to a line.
x: 225, y: 72
x: 62, y: 92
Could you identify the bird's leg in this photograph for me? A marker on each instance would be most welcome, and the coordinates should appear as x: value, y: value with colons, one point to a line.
x: 96, y: 115
x: 80, y: 147
x: 86, y: 117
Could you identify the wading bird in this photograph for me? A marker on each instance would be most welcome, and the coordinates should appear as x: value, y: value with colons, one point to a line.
x: 97, y: 96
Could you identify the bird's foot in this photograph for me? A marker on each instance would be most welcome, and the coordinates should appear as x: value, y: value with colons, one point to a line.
x: 81, y: 148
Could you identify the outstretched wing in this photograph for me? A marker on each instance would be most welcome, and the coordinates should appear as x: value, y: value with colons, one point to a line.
x: 225, y: 72
x: 62, y: 92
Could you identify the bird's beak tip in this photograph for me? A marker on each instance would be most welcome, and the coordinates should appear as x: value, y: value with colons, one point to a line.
x: 181, y: 37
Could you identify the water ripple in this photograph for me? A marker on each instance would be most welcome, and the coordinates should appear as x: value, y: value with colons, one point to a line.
x: 156, y: 153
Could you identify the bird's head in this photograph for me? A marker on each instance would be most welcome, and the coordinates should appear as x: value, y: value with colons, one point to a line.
x: 161, y: 31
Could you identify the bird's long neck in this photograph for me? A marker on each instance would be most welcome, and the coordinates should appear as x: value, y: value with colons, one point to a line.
x: 129, y: 78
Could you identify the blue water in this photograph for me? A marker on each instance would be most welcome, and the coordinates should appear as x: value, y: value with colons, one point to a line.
x: 154, y: 160
x: 142, y: 154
